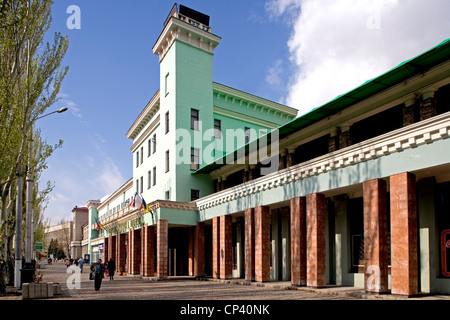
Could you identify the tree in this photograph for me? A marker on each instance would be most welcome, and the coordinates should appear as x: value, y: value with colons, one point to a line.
x: 30, y: 79
x: 55, y: 249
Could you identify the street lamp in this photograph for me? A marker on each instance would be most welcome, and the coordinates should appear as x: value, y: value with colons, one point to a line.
x: 29, y: 216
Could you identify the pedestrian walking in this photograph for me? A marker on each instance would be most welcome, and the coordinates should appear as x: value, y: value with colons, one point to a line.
x: 111, y: 269
x: 97, y: 272
x: 67, y: 263
x: 81, y: 262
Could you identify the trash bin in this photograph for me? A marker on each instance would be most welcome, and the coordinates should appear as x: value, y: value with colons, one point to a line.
x: 27, y: 273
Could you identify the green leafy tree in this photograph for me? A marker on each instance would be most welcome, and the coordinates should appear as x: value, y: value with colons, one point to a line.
x: 30, y: 80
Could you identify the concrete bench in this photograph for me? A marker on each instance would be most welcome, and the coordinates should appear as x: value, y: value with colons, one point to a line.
x: 40, y: 290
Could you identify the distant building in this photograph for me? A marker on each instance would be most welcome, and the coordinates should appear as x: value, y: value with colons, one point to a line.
x: 63, y: 233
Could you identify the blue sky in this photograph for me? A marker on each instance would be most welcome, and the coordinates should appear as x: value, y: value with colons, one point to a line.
x: 301, y: 53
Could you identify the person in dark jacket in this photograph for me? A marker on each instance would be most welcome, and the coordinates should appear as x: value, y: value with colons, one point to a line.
x: 111, y: 269
x: 98, y: 271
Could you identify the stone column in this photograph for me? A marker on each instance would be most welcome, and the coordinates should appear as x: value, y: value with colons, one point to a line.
x: 112, y: 247
x: 262, y: 244
x: 134, y: 245
x: 428, y: 106
x: 375, y: 236
x: 290, y: 160
x: 226, y: 250
x: 249, y: 245
x: 298, y: 241
x: 147, y: 251
x: 282, y: 160
x: 199, y: 250
x: 191, y: 251
x: 345, y: 138
x: 404, y: 250
x: 120, y: 251
x: 162, y: 233
x: 315, y: 240
x: 105, y: 249
x: 216, y: 247
x: 333, y: 142
x: 409, y: 112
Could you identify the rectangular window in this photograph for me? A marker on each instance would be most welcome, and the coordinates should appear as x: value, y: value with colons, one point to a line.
x: 247, y: 135
x: 167, y: 121
x: 167, y: 195
x: 166, y: 85
x: 195, y: 159
x: 149, y: 147
x: 217, y: 129
x: 154, y: 143
x: 195, y: 119
x: 149, y: 182
x: 167, y: 160
x: 137, y: 186
x: 137, y: 159
x: 142, y: 154
x: 142, y: 184
x: 195, y: 194
x: 154, y: 175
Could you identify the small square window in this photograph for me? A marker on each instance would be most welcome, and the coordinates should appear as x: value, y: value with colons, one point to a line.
x: 195, y: 194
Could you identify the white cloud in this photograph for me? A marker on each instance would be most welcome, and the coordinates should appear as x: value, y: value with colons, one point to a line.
x: 273, y: 73
x: 69, y: 103
x: 337, y: 45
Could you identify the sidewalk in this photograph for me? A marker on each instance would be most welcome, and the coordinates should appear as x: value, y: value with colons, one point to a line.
x: 187, y: 288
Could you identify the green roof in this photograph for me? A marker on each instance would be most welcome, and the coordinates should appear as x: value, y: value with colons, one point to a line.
x: 405, y: 70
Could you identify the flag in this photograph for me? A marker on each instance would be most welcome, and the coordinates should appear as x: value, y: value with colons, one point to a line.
x: 99, y: 225
x: 144, y: 206
x: 137, y: 202
x: 132, y: 201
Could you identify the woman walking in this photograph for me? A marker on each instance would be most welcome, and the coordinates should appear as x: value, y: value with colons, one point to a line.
x: 111, y: 269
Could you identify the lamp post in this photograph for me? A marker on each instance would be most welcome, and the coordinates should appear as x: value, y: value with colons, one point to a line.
x: 29, y: 216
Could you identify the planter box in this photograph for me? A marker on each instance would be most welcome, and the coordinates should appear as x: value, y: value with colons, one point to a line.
x: 40, y: 290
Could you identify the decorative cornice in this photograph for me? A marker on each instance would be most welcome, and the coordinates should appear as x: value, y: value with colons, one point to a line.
x: 251, y: 101
x: 126, y: 186
x: 146, y: 115
x: 414, y: 135
x: 126, y: 214
x: 178, y: 29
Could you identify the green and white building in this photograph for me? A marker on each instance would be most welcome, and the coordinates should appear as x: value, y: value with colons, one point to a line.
x: 353, y: 193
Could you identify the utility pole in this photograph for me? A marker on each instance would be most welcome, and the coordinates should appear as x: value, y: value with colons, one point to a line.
x: 29, y: 207
x: 18, y: 236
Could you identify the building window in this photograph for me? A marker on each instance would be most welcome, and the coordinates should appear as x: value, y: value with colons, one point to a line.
x: 247, y: 135
x: 217, y: 129
x: 195, y: 159
x: 154, y: 143
x: 149, y: 182
x: 137, y: 186
x: 195, y: 119
x: 149, y: 147
x: 167, y: 195
x: 167, y: 160
x: 142, y: 184
x: 154, y: 175
x: 137, y: 159
x: 167, y: 121
x: 166, y: 88
x: 142, y: 154
x: 195, y: 194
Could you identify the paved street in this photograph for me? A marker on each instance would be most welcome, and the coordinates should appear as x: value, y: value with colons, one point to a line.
x: 183, y: 297
x: 134, y: 288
